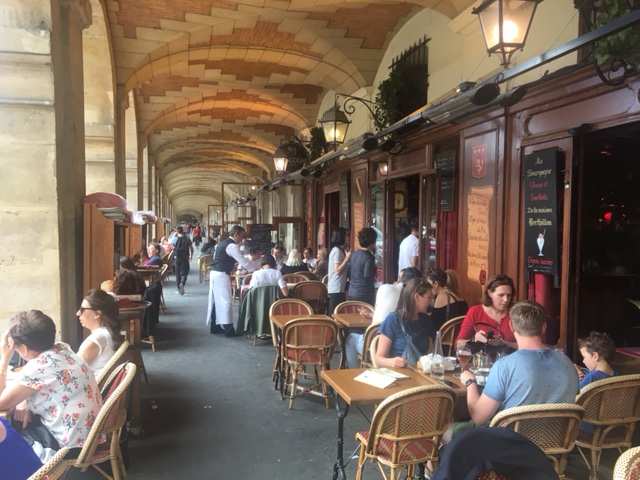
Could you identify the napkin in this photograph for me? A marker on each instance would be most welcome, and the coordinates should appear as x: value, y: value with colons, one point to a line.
x: 425, y: 361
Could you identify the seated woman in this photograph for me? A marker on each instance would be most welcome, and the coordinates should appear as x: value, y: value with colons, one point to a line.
x: 268, y: 275
x: 322, y: 267
x: 59, y: 388
x: 207, y: 247
x: 154, y: 251
x: 492, y: 315
x: 127, y: 264
x: 448, y: 302
x: 165, y: 244
x: 17, y: 458
x: 294, y: 263
x: 412, y: 315
x: 98, y: 313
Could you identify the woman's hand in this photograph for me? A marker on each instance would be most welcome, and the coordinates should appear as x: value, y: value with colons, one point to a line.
x: 480, y: 336
x: 398, y: 362
x: 7, y: 347
x: 22, y: 414
x: 365, y: 312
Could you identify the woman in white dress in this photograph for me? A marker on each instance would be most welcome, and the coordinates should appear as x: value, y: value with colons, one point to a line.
x: 98, y: 313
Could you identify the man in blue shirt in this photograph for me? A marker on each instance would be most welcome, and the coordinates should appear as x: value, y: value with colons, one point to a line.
x: 531, y: 375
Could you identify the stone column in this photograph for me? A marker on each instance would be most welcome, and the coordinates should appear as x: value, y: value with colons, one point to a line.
x: 42, y: 139
x: 122, y: 103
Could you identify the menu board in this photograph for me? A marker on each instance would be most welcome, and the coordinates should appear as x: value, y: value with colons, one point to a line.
x: 446, y: 163
x: 541, y: 211
x: 261, y: 236
x: 478, y: 238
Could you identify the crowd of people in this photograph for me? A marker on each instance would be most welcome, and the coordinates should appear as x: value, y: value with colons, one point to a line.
x: 57, y: 384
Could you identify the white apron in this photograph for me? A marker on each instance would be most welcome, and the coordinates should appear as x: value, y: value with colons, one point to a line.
x: 220, y: 298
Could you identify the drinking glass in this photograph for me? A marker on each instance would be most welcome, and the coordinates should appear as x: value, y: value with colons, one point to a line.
x: 464, y: 356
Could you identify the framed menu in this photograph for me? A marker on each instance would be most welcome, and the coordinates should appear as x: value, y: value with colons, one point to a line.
x: 541, y: 211
x: 446, y: 163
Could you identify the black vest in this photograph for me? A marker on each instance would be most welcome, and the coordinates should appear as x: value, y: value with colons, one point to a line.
x: 222, y: 261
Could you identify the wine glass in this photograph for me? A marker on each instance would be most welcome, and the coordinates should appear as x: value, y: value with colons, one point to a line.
x: 463, y: 355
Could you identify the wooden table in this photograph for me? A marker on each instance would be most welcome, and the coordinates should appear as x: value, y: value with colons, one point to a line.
x: 149, y: 274
x: 347, y: 322
x: 131, y: 324
x: 353, y: 392
x: 280, y: 321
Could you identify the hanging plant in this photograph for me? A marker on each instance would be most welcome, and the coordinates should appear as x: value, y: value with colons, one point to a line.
x: 387, y: 109
x: 317, y: 143
x: 624, y: 45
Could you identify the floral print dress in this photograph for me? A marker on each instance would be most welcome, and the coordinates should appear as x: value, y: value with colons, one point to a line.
x: 67, y: 395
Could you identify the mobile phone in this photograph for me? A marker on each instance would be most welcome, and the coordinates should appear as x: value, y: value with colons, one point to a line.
x: 449, y: 383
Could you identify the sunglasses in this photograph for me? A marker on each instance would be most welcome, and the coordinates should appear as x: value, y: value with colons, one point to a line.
x: 82, y: 309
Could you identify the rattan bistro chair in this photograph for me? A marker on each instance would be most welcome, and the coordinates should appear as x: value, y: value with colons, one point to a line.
x: 295, y: 278
x: 628, y: 465
x: 307, y: 342
x: 109, y: 422
x: 352, y: 306
x: 370, y: 333
x: 204, y: 264
x: 448, y: 333
x: 286, y: 306
x: 314, y: 293
x: 612, y: 406
x: 112, y: 364
x: 406, y: 430
x: 553, y: 427
x: 54, y: 469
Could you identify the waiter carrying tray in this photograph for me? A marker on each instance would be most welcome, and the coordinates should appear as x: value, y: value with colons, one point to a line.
x: 219, y: 312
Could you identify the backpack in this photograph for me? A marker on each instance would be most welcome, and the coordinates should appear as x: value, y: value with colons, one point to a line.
x: 182, y: 247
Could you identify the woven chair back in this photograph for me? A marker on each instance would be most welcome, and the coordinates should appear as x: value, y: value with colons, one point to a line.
x: 314, y: 293
x: 614, y: 400
x: 628, y: 465
x: 448, y: 333
x: 370, y: 333
x: 295, y: 278
x: 408, y: 425
x: 309, y: 341
x: 111, y: 364
x: 352, y: 306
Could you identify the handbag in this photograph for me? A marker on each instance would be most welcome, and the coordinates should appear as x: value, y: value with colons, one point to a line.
x: 493, y: 345
x: 411, y: 353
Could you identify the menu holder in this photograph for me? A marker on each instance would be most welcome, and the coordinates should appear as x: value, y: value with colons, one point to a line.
x: 376, y: 379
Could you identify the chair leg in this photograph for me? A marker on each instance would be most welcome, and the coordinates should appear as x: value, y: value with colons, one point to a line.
x: 294, y: 385
x: 361, y: 461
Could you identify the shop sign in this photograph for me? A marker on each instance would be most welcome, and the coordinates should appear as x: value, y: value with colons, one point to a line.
x: 541, y: 211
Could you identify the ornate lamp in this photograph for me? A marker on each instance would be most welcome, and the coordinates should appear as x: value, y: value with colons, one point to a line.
x: 290, y: 155
x: 505, y: 25
x: 335, y: 124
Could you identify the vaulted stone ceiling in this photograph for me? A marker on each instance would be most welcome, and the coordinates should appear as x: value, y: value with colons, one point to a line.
x: 218, y: 83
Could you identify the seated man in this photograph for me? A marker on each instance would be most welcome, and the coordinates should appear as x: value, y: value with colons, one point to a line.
x: 268, y: 275
x: 531, y: 375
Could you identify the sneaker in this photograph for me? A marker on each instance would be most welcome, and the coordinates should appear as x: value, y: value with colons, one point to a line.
x: 178, y: 291
x: 181, y: 289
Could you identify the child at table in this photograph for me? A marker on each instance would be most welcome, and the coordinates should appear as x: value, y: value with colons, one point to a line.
x: 597, y: 352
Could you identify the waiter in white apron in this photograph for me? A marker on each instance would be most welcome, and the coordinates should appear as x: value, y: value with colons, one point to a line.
x: 227, y: 253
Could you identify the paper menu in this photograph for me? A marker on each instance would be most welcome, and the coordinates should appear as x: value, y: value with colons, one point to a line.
x: 391, y: 373
x: 375, y: 379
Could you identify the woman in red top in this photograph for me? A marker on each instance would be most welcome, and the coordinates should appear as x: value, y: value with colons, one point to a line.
x: 492, y: 314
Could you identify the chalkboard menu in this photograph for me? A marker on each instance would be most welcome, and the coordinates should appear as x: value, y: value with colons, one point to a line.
x: 446, y: 163
x: 261, y: 237
x: 541, y: 211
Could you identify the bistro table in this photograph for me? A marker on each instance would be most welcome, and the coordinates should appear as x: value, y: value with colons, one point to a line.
x: 353, y: 392
x: 280, y: 321
x: 149, y: 274
x: 346, y: 322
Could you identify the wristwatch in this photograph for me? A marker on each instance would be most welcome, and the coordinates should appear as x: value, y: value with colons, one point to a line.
x: 469, y: 382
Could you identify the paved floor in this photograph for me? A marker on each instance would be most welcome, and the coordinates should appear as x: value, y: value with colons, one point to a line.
x: 210, y: 410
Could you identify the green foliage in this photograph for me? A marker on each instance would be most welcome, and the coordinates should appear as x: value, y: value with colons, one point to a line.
x: 622, y: 45
x: 317, y: 143
x: 387, y: 109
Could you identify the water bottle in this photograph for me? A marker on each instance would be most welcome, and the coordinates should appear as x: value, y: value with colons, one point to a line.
x: 437, y: 359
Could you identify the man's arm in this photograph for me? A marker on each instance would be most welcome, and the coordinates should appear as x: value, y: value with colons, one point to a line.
x: 233, y: 251
x: 481, y: 408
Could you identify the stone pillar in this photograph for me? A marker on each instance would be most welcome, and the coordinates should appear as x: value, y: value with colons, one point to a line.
x: 122, y: 103
x: 42, y: 139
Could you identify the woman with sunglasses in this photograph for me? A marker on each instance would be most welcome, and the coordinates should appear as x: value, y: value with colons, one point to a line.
x: 98, y: 313
x: 448, y: 303
x: 61, y: 393
x: 490, y: 319
x: 410, y: 317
